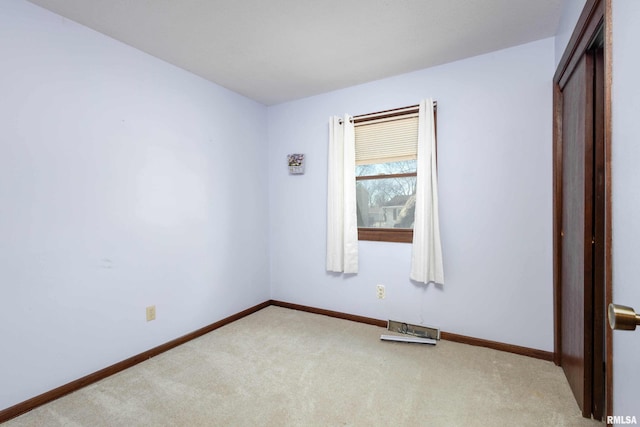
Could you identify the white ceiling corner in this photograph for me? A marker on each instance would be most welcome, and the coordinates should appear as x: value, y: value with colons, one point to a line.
x: 275, y: 51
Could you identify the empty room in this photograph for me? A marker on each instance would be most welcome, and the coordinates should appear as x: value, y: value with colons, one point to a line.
x: 319, y: 213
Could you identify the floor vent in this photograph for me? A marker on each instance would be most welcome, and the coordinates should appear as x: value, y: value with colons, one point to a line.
x: 404, y: 338
x: 419, y: 331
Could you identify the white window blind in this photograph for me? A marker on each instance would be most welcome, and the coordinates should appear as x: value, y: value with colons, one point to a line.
x: 385, y: 140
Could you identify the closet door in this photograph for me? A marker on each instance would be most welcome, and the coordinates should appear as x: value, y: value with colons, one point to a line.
x: 576, y: 263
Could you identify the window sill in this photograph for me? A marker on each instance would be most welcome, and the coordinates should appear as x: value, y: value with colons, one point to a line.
x: 404, y: 235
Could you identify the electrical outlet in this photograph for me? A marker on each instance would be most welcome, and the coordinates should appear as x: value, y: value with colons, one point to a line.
x: 380, y: 291
x: 151, y: 313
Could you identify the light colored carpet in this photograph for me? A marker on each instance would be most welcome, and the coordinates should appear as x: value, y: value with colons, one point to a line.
x: 281, y: 367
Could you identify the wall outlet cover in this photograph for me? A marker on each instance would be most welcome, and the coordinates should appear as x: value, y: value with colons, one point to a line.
x: 151, y: 313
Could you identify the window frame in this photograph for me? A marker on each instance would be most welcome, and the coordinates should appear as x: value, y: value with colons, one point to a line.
x: 380, y: 234
x: 395, y: 235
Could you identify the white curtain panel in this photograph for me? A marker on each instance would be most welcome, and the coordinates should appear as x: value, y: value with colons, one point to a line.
x: 342, y: 225
x: 426, y: 253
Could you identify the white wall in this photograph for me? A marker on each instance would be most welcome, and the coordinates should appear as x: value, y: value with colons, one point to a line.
x: 571, y: 10
x: 494, y: 154
x: 626, y: 199
x: 124, y: 182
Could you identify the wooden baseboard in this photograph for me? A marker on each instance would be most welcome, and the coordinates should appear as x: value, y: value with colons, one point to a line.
x: 510, y: 348
x: 331, y: 313
x: 27, y: 405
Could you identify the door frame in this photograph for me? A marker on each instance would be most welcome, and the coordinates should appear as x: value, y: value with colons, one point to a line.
x: 594, y: 14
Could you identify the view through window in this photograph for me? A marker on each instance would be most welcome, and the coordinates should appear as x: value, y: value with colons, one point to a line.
x: 386, y: 148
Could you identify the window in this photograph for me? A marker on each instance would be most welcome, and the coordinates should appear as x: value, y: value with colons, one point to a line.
x: 386, y: 146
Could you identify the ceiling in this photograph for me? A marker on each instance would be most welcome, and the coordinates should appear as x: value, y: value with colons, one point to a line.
x: 275, y: 51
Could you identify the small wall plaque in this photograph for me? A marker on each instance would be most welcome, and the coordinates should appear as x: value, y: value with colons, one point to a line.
x: 296, y: 164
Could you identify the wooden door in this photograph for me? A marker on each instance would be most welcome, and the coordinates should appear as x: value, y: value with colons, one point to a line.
x: 582, y: 211
x: 576, y: 271
x: 580, y: 228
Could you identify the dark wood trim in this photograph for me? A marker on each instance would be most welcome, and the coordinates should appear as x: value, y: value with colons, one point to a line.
x: 590, y: 18
x: 65, y: 389
x: 587, y: 259
x: 386, y: 114
x: 330, y: 313
x: 557, y: 221
x: 510, y: 348
x: 362, y: 119
x: 599, y: 312
x: 398, y: 235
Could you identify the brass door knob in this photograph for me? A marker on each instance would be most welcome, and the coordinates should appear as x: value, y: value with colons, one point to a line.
x: 623, y: 317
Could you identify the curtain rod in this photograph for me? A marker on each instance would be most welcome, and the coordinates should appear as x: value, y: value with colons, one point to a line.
x: 388, y: 113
